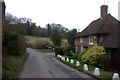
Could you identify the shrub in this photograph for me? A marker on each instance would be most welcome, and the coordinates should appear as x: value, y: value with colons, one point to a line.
x: 59, y: 50
x: 104, y: 62
x: 74, y: 55
x: 67, y: 50
x: 16, y: 45
x: 81, y: 53
x: 93, y: 55
x: 40, y: 44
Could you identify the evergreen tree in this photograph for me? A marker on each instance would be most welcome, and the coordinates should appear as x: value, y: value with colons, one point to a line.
x: 56, y: 37
x: 70, y: 35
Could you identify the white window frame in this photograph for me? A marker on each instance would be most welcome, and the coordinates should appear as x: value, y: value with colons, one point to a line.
x: 81, y: 39
x: 91, y: 40
x: 76, y: 49
x: 81, y: 48
x: 94, y: 36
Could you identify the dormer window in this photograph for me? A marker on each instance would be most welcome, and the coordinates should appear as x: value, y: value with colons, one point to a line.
x: 81, y: 40
x: 91, y: 38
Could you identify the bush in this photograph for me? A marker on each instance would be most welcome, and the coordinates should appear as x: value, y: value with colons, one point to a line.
x: 42, y: 44
x: 59, y: 50
x: 67, y: 50
x: 93, y: 55
x: 74, y: 55
x: 81, y: 53
x: 104, y: 62
x: 16, y: 45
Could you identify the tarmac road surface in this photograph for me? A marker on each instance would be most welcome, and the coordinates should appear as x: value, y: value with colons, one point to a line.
x: 44, y: 65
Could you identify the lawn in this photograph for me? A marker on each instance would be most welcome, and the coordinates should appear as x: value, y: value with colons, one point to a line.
x: 108, y: 77
x: 34, y: 40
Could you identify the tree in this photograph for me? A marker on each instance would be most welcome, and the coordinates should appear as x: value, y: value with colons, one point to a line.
x: 70, y: 35
x: 49, y: 30
x: 62, y: 30
x: 56, y: 38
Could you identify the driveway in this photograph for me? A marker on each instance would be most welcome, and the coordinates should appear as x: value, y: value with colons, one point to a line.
x: 44, y: 65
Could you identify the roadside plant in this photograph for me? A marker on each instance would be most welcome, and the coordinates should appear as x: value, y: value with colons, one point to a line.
x: 93, y: 55
x: 40, y: 44
x: 67, y: 50
x: 104, y: 62
x: 16, y: 45
x: 74, y: 55
x: 59, y: 50
x: 81, y: 53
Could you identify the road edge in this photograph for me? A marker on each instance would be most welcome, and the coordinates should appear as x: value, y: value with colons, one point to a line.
x: 21, y: 67
x: 76, y: 69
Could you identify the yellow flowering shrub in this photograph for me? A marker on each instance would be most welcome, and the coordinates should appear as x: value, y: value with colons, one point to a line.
x: 93, y: 55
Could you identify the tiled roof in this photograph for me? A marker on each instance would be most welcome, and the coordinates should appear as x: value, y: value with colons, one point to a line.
x: 107, y: 25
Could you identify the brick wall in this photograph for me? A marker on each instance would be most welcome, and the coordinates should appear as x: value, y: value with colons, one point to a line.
x: 0, y: 38
x: 77, y: 42
x: 0, y: 15
x: 85, y: 42
x: 1, y: 23
x: 3, y: 13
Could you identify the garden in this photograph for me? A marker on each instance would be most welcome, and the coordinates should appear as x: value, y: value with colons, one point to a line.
x: 89, y: 60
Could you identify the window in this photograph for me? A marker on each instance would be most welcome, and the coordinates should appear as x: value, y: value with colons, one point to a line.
x: 76, y: 49
x: 81, y: 40
x: 91, y: 38
x: 81, y: 48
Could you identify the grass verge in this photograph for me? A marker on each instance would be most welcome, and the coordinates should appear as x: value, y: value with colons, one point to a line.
x: 11, y: 65
x: 80, y: 68
x: 91, y: 68
x: 108, y: 77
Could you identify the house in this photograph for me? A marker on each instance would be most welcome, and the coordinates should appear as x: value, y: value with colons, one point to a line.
x: 104, y: 31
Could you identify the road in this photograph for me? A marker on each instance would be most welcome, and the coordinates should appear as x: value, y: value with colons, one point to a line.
x: 44, y: 65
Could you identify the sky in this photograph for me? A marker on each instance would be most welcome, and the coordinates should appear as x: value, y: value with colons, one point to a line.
x: 69, y: 13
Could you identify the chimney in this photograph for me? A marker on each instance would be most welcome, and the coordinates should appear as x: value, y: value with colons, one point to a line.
x: 104, y: 10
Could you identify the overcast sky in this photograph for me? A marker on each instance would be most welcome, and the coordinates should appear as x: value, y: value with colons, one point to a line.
x: 69, y: 13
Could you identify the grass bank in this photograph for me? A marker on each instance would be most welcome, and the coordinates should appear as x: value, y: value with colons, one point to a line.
x: 33, y: 40
x: 10, y: 65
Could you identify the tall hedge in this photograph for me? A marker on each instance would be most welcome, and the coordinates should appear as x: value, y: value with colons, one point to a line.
x: 15, y: 45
